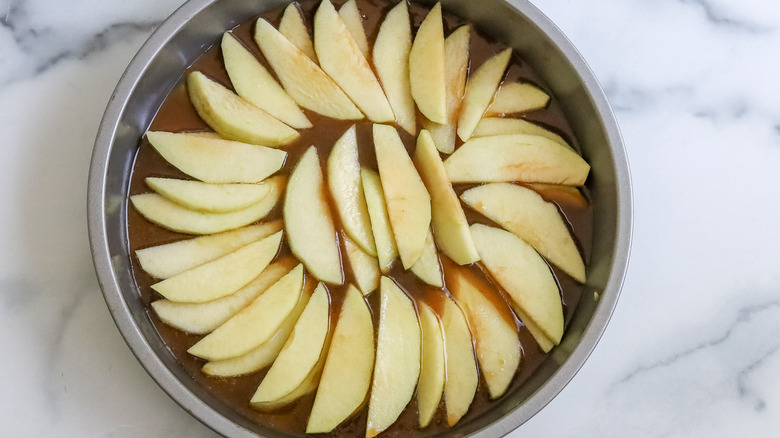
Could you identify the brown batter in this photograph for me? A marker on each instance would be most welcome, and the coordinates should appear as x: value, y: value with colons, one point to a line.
x: 177, y: 114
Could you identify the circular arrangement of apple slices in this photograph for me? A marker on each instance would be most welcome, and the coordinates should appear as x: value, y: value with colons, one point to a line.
x: 258, y: 310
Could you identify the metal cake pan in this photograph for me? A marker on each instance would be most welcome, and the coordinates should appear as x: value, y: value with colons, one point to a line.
x: 198, y: 24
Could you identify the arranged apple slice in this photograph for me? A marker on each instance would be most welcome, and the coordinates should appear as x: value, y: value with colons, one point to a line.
x: 234, y: 118
x: 167, y: 214
x: 427, y: 267
x: 456, y: 63
x: 308, y: 222
x: 266, y: 353
x: 294, y: 29
x: 408, y: 202
x: 397, y: 358
x: 256, y: 323
x: 222, y: 276
x: 461, y: 380
x: 303, y: 80
x: 214, y: 160
x: 479, y: 92
x: 524, y: 275
x: 202, y: 318
x: 301, y: 355
x: 213, y: 198
x: 256, y: 85
x: 341, y: 58
x: 504, y: 125
x: 426, y: 67
x: 347, y: 190
x: 386, y: 247
x: 352, y: 18
x: 163, y: 261
x: 495, y: 335
x: 365, y: 268
x: 447, y: 218
x: 545, y: 343
x: 346, y: 375
x: 391, y: 61
x: 431, y: 385
x: 527, y: 215
x: 517, y: 157
x: 515, y: 97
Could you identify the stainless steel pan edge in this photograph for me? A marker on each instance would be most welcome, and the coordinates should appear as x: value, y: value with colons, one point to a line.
x: 196, y: 26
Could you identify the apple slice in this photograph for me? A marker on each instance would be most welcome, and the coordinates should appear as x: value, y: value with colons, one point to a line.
x: 294, y: 29
x: 408, y: 202
x: 391, y: 61
x: 164, y: 261
x: 346, y: 375
x: 524, y: 275
x: 397, y: 358
x: 266, y: 353
x: 256, y: 85
x: 545, y: 344
x: 365, y: 268
x: 308, y: 222
x: 461, y: 381
x: 481, y: 87
x: 426, y: 67
x: 515, y: 97
x: 495, y: 335
x: 303, y: 80
x: 386, y: 247
x: 347, y: 190
x: 214, y: 160
x: 427, y: 267
x: 431, y: 385
x: 256, y: 323
x: 202, y: 318
x: 504, y: 125
x: 234, y: 118
x: 158, y: 210
x: 527, y: 215
x: 301, y: 354
x: 352, y: 18
x: 447, y: 218
x: 456, y: 63
x: 222, y: 276
x: 340, y: 57
x: 212, y: 198
x: 517, y: 157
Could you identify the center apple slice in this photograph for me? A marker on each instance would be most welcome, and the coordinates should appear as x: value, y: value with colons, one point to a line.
x: 451, y: 230
x: 256, y: 323
x: 408, y: 202
x: 460, y: 383
x: 347, y: 190
x: 308, y: 222
x: 397, y: 358
x: 347, y: 373
x: 300, y: 356
x: 432, y: 367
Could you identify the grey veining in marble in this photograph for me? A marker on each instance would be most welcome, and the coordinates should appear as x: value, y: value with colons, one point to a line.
x: 692, y: 349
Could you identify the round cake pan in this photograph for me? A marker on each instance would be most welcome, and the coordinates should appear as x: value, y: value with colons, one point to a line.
x: 197, y: 25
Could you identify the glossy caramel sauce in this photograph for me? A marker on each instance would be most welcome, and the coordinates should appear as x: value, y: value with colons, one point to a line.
x: 176, y: 114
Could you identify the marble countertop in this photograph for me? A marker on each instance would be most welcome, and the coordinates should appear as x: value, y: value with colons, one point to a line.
x: 692, y: 349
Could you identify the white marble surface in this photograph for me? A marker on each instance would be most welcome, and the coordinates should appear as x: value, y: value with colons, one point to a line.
x: 691, y: 350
